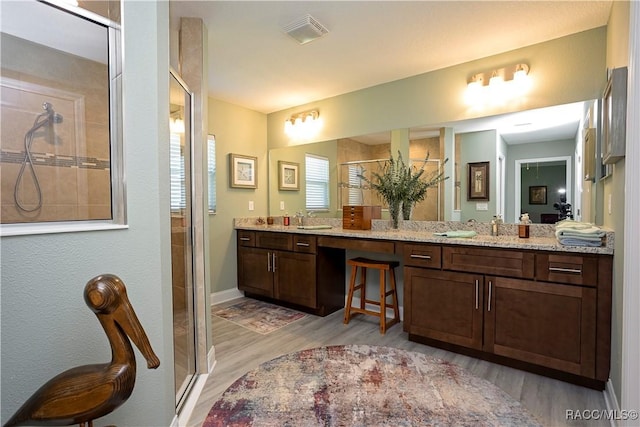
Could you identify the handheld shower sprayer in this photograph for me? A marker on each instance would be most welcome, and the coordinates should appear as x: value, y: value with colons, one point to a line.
x: 50, y: 117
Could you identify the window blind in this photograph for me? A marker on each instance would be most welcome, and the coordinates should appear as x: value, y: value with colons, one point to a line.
x: 355, y: 185
x: 176, y: 166
x: 317, y: 182
x: 211, y: 166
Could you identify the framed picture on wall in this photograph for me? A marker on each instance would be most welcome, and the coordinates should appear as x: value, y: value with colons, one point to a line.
x: 288, y: 175
x: 243, y: 171
x: 478, y: 185
x: 538, y: 195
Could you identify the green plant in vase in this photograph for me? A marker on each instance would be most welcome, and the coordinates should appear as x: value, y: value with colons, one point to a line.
x: 390, y: 185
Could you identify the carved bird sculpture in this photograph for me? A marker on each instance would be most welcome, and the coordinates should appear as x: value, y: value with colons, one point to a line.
x: 84, y: 393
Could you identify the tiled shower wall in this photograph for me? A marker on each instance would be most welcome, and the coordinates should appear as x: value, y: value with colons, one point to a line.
x: 350, y: 150
x: 72, y: 158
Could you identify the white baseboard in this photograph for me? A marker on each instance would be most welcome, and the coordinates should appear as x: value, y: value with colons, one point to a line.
x: 611, y: 401
x: 375, y: 308
x: 211, y: 359
x: 226, y: 295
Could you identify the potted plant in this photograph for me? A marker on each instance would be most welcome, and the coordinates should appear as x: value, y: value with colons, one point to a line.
x: 400, y: 185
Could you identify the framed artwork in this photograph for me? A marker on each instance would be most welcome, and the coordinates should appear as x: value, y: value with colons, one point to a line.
x: 538, y: 195
x: 614, y: 113
x: 288, y: 175
x: 243, y: 171
x: 478, y: 185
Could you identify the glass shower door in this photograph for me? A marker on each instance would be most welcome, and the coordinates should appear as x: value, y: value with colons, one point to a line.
x: 180, y: 144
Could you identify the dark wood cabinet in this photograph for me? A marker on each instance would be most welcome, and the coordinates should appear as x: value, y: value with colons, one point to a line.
x: 294, y: 278
x: 546, y: 324
x: 545, y: 311
x: 286, y: 268
x: 444, y: 305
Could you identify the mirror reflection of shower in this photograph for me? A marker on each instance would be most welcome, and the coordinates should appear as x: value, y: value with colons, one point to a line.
x: 49, y: 117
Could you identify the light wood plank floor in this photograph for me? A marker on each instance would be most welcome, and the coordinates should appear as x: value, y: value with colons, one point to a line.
x: 239, y: 350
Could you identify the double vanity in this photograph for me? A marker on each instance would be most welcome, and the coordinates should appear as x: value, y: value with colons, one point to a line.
x: 529, y: 303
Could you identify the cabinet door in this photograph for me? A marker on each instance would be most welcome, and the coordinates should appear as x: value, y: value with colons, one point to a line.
x: 444, y: 306
x: 295, y: 278
x: 547, y: 324
x: 254, y: 271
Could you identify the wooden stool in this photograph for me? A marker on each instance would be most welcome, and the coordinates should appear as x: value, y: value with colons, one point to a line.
x: 383, y: 267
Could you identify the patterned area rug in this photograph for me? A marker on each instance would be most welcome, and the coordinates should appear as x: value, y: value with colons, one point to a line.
x: 364, y: 386
x: 259, y: 316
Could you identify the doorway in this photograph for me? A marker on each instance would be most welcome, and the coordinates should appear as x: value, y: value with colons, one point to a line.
x: 545, y: 195
x: 182, y: 259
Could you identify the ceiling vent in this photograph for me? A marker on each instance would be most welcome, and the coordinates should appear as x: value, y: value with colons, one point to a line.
x: 305, y: 29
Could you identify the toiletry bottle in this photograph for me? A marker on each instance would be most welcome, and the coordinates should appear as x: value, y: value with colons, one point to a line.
x: 286, y: 220
x: 523, y: 227
x: 494, y: 226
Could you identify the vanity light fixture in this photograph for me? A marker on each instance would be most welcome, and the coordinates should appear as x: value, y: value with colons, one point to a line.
x: 302, y: 124
x: 490, y: 85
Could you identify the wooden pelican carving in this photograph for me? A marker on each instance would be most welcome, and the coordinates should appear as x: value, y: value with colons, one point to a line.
x: 84, y: 393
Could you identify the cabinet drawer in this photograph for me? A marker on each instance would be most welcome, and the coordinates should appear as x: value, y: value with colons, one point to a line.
x: 573, y: 269
x: 246, y: 238
x: 306, y: 244
x: 489, y: 261
x: 417, y: 255
x: 270, y: 240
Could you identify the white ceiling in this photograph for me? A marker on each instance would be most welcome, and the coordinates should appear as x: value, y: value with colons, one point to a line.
x: 254, y: 64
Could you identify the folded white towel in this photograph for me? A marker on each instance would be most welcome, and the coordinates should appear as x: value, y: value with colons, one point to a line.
x: 575, y: 225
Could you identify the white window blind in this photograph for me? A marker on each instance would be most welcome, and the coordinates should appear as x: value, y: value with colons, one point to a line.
x: 211, y: 162
x: 355, y: 186
x: 317, y: 182
x: 176, y: 165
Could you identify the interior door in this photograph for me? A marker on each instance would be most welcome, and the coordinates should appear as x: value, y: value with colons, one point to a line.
x: 183, y: 294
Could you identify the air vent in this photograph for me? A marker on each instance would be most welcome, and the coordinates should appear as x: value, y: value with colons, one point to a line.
x: 305, y: 29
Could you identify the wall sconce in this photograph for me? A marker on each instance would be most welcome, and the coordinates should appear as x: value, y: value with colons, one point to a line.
x: 491, y: 86
x: 302, y: 124
x: 176, y: 123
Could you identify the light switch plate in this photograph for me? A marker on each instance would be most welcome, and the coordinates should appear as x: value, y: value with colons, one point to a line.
x: 281, y: 205
x: 251, y: 206
x: 482, y: 206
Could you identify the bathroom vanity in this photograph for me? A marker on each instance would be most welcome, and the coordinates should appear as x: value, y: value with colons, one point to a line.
x: 528, y: 303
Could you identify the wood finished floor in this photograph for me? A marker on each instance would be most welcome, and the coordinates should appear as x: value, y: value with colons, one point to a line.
x: 239, y: 350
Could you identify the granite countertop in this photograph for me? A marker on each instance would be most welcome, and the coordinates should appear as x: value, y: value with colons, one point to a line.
x: 542, y: 235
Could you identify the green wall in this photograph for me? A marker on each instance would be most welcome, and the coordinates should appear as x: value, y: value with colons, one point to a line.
x: 613, y: 189
x: 46, y: 326
x: 563, y: 70
x: 477, y: 147
x: 295, y: 201
x: 238, y: 131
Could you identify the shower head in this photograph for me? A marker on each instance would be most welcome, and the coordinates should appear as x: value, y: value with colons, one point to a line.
x: 52, y: 116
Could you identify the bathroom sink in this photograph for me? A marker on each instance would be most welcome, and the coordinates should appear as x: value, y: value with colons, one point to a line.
x: 313, y: 227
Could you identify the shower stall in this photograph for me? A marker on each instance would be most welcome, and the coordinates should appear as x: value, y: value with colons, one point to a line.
x: 55, y: 87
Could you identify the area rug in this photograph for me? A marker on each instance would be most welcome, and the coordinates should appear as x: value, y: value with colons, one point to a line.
x: 364, y: 386
x: 259, y: 316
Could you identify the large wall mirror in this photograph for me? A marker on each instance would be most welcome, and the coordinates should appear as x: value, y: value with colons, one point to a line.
x: 61, y: 113
x: 534, y: 165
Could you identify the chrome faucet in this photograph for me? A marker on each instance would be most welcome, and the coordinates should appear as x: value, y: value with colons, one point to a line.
x: 299, y: 218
